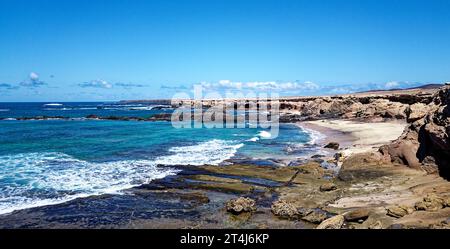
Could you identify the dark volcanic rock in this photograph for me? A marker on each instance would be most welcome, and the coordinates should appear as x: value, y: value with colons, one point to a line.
x: 332, y: 145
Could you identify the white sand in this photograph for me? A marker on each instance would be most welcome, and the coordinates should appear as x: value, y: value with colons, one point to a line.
x: 368, y: 136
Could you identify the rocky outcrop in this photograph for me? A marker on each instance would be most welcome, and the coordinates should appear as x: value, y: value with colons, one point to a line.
x: 407, y: 105
x: 416, y: 111
x: 357, y: 166
x: 425, y: 143
x: 284, y: 209
x: 240, y: 205
x: 398, y: 211
x: 334, y: 222
x: 431, y: 202
x: 332, y: 145
x: 315, y: 216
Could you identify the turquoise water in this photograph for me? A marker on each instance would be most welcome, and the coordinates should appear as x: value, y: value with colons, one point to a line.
x: 51, y: 161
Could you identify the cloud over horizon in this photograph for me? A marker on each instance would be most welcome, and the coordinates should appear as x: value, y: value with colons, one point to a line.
x: 8, y: 86
x: 32, y: 81
x: 278, y: 86
x: 294, y: 87
x: 96, y: 84
x: 128, y: 85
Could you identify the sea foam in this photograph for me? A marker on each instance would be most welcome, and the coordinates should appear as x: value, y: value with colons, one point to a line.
x: 37, y: 179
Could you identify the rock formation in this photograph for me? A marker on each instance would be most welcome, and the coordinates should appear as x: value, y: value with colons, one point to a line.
x: 425, y: 143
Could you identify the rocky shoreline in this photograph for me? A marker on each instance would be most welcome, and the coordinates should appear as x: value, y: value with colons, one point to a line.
x: 400, y: 184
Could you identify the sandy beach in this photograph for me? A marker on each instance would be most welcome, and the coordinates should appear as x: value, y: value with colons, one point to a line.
x: 357, y: 137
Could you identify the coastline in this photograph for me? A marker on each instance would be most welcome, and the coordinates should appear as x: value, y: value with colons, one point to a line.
x: 355, y: 136
x: 372, y: 189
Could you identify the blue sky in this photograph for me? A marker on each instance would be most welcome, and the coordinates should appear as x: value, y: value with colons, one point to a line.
x: 112, y: 50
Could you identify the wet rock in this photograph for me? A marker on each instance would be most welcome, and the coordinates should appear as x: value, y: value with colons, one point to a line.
x: 329, y: 186
x: 334, y: 222
x: 161, y: 117
x: 315, y: 216
x: 284, y: 209
x: 339, y: 157
x: 240, y: 205
x: 279, y: 174
x: 357, y: 215
x: 302, y: 212
x: 397, y: 211
x: 311, y: 168
x: 332, y: 145
x: 214, y: 179
x: 92, y: 116
x: 362, y: 166
x: 227, y: 187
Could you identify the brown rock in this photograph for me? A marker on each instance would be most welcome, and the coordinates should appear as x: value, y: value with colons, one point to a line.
x: 312, y: 168
x: 416, y: 111
x: 329, y: 186
x: 240, y: 205
x: 284, y: 209
x: 356, y: 167
x: 425, y: 144
x: 431, y: 202
x: 334, y: 222
x: 357, y: 215
x: 397, y: 211
x: 376, y: 225
x: 404, y: 150
x: 447, y: 202
x: 315, y: 216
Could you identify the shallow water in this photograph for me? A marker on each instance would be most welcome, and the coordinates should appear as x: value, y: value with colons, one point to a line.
x: 53, y: 161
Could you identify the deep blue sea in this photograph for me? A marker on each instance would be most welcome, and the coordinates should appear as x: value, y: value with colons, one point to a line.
x: 46, y: 162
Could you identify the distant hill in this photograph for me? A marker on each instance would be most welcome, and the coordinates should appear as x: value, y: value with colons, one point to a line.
x: 426, y: 86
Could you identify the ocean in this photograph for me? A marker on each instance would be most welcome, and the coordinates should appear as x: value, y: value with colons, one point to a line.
x: 45, y: 162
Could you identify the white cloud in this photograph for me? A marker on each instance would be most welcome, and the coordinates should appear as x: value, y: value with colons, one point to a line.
x: 32, y: 81
x: 391, y: 84
x: 34, y: 76
x: 128, y: 85
x: 97, y: 84
x: 260, y: 85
